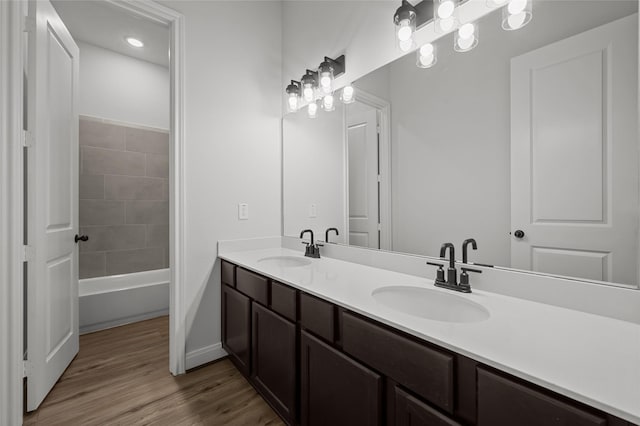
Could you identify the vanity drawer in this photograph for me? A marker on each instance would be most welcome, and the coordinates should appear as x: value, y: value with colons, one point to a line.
x: 502, y: 401
x: 253, y: 285
x: 425, y: 371
x: 317, y: 316
x: 228, y: 273
x: 284, y: 300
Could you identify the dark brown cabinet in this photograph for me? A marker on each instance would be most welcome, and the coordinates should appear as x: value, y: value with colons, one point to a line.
x: 335, y: 389
x: 410, y: 411
x: 505, y: 402
x: 236, y: 327
x: 317, y: 363
x: 274, y: 360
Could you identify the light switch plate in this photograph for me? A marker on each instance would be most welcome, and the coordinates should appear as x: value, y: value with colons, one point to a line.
x: 313, y: 210
x: 243, y: 211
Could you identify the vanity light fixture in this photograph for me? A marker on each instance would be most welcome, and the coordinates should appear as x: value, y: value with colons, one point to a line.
x: 309, y: 83
x: 405, y: 20
x: 516, y: 14
x: 312, y: 110
x: 427, y: 56
x: 410, y: 17
x: 328, y: 103
x: 328, y: 70
x: 466, y: 37
x: 134, y: 42
x: 445, y: 16
x: 293, y: 96
x: 348, y: 95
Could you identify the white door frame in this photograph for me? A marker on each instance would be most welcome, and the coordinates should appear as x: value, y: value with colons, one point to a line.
x: 12, y: 48
x: 11, y: 210
x: 177, y: 314
x: 383, y: 108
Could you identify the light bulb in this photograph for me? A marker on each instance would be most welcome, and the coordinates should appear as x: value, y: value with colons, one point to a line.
x: 516, y: 6
x: 516, y: 21
x: 404, y: 30
x: 427, y: 61
x: 312, y: 110
x: 327, y: 103
x: 466, y: 31
x: 466, y: 38
x: 426, y: 56
x: 325, y: 80
x: 347, y: 94
x: 307, y: 93
x: 426, y: 50
x: 293, y: 102
x: 406, y: 45
x: 466, y: 43
x: 516, y: 15
x: 445, y: 9
x: 134, y: 42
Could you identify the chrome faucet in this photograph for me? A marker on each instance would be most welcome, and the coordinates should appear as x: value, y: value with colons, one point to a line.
x: 312, y: 249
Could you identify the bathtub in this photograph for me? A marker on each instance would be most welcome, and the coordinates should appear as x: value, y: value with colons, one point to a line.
x: 115, y: 300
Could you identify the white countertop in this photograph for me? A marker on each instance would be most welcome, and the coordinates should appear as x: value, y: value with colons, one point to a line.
x: 590, y: 358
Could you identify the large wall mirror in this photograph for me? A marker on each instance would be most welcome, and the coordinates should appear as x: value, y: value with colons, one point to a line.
x: 534, y: 131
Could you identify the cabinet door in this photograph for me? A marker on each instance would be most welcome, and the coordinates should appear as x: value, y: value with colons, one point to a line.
x: 410, y: 411
x: 502, y: 401
x: 335, y: 389
x: 236, y: 327
x: 274, y: 360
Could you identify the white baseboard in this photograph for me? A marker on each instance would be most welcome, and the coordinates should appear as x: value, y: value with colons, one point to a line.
x: 204, y: 355
x: 123, y: 321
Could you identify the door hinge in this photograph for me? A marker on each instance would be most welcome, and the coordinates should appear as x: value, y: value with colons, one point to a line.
x: 378, y: 129
x: 29, y: 24
x: 379, y: 227
x: 26, y: 368
x: 27, y: 253
x: 27, y: 138
x: 379, y: 178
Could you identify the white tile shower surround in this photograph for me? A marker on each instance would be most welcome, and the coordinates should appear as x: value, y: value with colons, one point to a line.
x: 558, y: 344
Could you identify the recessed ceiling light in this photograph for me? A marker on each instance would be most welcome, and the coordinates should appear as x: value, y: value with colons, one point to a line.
x: 134, y: 42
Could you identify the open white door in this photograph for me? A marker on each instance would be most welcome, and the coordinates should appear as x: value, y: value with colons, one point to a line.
x: 52, y: 190
x: 362, y: 151
x: 574, y: 155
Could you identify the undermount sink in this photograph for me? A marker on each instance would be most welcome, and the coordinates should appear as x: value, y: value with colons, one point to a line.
x: 285, y: 261
x: 431, y: 304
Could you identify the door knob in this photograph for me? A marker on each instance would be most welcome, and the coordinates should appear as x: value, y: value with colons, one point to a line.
x: 519, y: 234
x: 81, y: 238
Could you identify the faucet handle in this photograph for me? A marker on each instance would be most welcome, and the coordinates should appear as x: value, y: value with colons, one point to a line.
x: 477, y: 271
x: 439, y: 272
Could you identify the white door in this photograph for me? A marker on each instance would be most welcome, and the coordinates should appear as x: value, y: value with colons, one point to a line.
x: 362, y: 151
x: 52, y: 323
x: 574, y: 155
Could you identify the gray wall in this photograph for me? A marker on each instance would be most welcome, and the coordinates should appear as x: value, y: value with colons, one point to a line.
x: 124, y: 193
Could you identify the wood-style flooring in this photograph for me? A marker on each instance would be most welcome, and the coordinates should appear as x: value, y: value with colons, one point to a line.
x: 121, y: 377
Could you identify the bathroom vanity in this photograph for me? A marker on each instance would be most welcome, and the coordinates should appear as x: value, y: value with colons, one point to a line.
x: 317, y: 341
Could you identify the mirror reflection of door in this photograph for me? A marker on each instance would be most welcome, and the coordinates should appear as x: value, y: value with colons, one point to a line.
x: 574, y: 169
x: 363, y: 172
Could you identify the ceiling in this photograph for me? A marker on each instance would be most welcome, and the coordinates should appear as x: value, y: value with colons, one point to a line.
x: 105, y: 25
